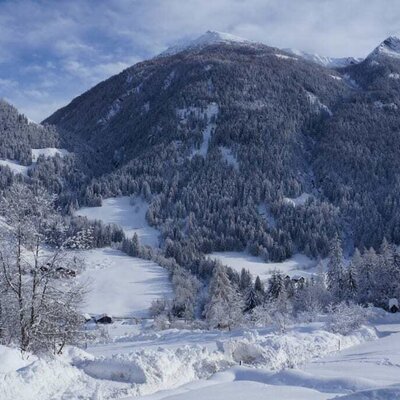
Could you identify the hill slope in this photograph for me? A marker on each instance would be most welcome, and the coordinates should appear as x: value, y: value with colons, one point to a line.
x: 214, y: 132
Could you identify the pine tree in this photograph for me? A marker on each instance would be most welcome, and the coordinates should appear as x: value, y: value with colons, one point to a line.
x: 276, y: 285
x: 224, y: 306
x: 245, y: 281
x: 335, y: 273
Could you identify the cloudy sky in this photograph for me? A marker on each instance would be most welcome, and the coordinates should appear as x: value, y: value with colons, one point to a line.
x: 53, y: 50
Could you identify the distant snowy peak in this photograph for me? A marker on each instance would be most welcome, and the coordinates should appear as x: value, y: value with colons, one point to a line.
x: 389, y: 47
x: 208, y: 39
x: 330, y: 62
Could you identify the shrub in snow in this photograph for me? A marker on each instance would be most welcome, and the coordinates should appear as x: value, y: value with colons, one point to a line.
x: 344, y: 318
x: 161, y: 322
x: 272, y: 314
x: 157, y: 307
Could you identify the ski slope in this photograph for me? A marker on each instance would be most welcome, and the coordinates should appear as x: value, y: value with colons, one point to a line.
x: 130, y: 217
x: 120, y: 285
x: 298, y: 265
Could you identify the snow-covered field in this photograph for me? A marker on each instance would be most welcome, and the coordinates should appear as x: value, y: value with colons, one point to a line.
x: 303, y: 363
x: 120, y: 285
x: 298, y: 265
x: 130, y: 217
x: 48, y: 152
x: 17, y: 168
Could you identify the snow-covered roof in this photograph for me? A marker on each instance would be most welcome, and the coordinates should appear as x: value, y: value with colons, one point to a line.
x: 393, y: 302
x: 98, y: 317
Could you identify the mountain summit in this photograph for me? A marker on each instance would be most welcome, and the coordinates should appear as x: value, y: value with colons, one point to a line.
x: 390, y: 47
x: 207, y: 39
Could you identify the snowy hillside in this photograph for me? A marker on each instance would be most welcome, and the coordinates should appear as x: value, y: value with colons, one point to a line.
x: 17, y: 168
x: 129, y: 214
x: 120, y: 285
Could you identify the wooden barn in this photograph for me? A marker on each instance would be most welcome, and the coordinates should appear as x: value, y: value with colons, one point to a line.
x: 393, y: 305
x: 104, y: 319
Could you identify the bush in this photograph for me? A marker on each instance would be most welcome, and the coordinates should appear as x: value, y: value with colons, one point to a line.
x: 345, y: 318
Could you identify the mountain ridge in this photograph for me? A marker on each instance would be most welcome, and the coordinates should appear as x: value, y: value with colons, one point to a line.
x: 211, y: 136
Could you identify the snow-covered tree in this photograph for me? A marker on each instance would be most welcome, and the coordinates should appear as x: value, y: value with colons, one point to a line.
x: 38, y: 312
x: 335, y: 273
x: 224, y: 306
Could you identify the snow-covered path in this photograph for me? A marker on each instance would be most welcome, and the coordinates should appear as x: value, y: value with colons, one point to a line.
x: 369, y: 371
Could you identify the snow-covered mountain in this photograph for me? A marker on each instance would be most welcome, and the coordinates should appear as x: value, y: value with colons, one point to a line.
x: 225, y: 160
x: 389, y: 48
x: 214, y: 37
x: 207, y: 39
x: 330, y: 62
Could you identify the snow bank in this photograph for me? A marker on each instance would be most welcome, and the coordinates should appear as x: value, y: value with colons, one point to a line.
x: 40, y: 380
x: 11, y: 359
x: 291, y: 349
x: 152, y: 370
x: 390, y: 393
x: 78, y: 374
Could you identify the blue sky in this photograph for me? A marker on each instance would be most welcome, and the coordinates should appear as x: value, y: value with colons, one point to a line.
x: 53, y: 50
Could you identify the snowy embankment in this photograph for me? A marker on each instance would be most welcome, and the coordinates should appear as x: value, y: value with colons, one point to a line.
x: 146, y: 370
x: 129, y: 214
x: 298, y: 265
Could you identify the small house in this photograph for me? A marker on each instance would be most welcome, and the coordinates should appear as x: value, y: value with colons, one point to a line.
x: 104, y: 319
x: 393, y: 305
x: 87, y: 318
